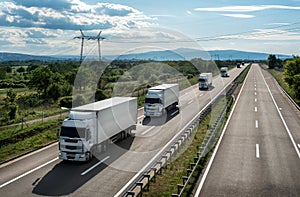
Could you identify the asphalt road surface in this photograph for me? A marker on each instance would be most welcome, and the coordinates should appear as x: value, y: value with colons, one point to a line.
x: 41, y: 173
x: 259, y: 152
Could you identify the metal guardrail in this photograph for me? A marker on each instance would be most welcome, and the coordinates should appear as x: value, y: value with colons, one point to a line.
x: 143, y: 182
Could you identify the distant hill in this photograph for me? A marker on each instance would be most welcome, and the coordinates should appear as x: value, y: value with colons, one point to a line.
x: 187, y: 54
x: 23, y: 57
x: 178, y: 54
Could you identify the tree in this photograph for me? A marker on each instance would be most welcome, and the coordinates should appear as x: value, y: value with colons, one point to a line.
x: 10, y: 104
x: 2, y: 72
x: 41, y: 78
x: 292, y: 75
x: 272, y: 61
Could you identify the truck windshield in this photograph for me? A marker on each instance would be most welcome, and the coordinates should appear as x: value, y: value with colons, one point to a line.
x: 72, y: 132
x: 202, y: 80
x: 152, y: 100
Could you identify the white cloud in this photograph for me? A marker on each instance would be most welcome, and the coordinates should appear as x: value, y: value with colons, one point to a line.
x: 246, y: 8
x: 266, y: 34
x: 69, y: 15
x: 239, y: 15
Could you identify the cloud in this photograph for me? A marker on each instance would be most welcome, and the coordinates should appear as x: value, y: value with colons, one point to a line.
x: 69, y: 15
x: 266, y: 34
x: 246, y: 8
x: 239, y: 15
x: 54, y: 4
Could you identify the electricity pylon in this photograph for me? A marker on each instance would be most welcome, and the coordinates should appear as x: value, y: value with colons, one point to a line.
x: 98, y: 38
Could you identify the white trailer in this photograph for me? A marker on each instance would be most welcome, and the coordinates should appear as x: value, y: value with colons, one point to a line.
x: 93, y: 126
x: 224, y: 72
x: 160, y: 99
x: 205, y: 80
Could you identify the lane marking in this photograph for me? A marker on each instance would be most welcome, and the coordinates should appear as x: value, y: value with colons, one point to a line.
x: 257, y: 150
x: 145, y: 132
x: 284, y: 123
x: 254, y: 85
x: 219, y: 141
x: 140, y: 117
x: 254, y: 93
x: 298, y: 145
x: 201, y: 94
x: 28, y: 172
x: 256, y: 123
x: 255, y: 100
x: 255, y: 109
x: 190, y: 102
x: 94, y: 166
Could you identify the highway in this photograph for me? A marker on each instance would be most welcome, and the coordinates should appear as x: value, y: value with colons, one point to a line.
x: 258, y: 153
x: 41, y: 173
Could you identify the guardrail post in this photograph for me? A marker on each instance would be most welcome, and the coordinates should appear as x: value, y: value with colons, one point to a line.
x: 141, y: 185
x: 131, y: 193
x: 148, y: 178
x: 179, y: 187
x: 154, y: 177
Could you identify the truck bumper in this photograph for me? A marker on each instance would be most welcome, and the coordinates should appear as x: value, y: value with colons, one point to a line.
x: 153, y: 114
x: 74, y: 156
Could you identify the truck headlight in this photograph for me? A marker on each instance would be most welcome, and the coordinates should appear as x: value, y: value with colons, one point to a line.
x: 82, y: 155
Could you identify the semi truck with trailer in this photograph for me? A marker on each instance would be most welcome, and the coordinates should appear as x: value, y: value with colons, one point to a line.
x: 92, y: 127
x: 224, y: 72
x: 161, y: 99
x: 205, y: 81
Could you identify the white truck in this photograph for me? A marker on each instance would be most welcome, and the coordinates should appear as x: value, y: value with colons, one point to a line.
x: 205, y: 81
x: 224, y: 72
x: 93, y: 126
x: 161, y: 99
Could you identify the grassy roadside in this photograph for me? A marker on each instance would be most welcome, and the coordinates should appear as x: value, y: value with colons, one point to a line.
x: 15, y: 141
x: 278, y: 75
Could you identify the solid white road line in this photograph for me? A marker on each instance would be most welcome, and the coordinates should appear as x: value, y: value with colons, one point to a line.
x: 145, y: 132
x: 257, y: 150
x: 284, y: 123
x: 94, y: 166
x: 298, y: 145
x: 28, y: 172
x: 219, y: 141
x: 256, y: 123
x: 255, y: 109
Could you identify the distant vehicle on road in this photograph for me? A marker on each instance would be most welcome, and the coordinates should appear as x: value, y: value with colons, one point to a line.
x: 160, y: 99
x: 93, y: 126
x: 224, y: 72
x: 243, y: 63
x: 205, y: 81
x: 238, y: 65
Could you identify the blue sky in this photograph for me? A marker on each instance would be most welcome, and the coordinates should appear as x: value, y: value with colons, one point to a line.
x: 47, y: 27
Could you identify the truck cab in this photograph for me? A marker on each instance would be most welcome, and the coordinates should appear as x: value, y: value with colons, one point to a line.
x: 76, y: 134
x: 205, y: 81
x: 224, y: 72
x: 154, y: 103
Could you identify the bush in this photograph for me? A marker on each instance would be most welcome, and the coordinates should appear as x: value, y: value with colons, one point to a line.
x: 65, y: 102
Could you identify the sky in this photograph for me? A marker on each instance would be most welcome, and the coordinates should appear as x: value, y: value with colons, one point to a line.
x: 48, y: 27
